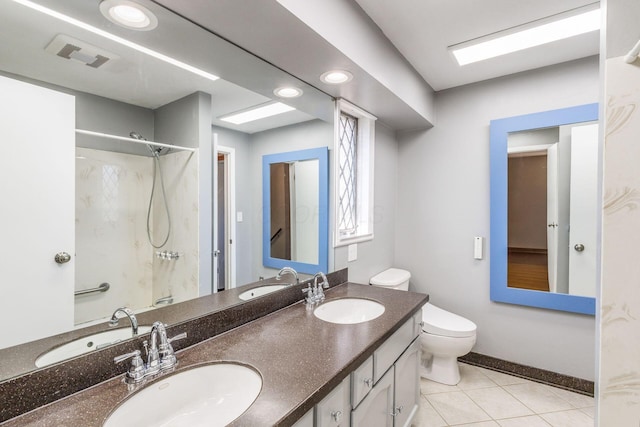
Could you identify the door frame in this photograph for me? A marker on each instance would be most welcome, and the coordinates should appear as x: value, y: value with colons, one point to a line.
x: 229, y: 154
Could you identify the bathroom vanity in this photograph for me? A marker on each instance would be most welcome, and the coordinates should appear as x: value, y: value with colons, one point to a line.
x: 313, y: 372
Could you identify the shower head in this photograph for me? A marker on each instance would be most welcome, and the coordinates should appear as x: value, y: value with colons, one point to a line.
x: 136, y: 135
x: 155, y: 151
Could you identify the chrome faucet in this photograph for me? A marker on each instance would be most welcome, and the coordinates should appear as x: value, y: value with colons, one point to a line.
x: 160, y: 355
x: 315, y: 292
x: 288, y: 270
x: 132, y: 318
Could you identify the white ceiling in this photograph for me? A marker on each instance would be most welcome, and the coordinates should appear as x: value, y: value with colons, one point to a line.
x: 422, y: 30
x: 132, y: 77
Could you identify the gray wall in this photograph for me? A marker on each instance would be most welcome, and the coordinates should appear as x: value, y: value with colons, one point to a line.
x: 377, y: 255
x: 311, y: 134
x: 443, y: 202
x: 249, y: 150
x: 187, y: 122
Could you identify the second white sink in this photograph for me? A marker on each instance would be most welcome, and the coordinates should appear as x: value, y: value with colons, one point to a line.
x: 86, y: 344
x: 210, y: 395
x: 348, y: 311
x: 259, y: 291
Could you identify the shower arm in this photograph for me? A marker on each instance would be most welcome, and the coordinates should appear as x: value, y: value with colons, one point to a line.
x: 630, y: 57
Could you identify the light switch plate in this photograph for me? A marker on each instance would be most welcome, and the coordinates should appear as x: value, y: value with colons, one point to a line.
x: 239, y: 216
x: 352, y: 252
x: 478, y: 243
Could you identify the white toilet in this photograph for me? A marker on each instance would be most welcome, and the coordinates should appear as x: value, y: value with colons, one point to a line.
x: 445, y: 336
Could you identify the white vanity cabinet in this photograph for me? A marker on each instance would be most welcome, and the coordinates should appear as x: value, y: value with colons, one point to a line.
x: 395, y: 398
x: 383, y: 392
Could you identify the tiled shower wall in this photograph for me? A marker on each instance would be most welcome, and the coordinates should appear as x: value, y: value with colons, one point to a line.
x: 619, y: 386
x: 177, y: 278
x: 112, y: 196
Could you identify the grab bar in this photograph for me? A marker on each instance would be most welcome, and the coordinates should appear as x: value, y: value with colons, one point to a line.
x: 104, y: 287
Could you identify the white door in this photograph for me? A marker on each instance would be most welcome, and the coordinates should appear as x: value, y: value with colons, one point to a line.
x: 552, y: 216
x: 583, y: 210
x: 37, y: 219
x: 230, y: 216
x: 214, y: 212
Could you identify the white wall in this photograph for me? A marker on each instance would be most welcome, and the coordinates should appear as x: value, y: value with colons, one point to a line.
x: 443, y: 202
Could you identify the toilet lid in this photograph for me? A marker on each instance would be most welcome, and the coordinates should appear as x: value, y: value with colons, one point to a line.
x: 390, y: 277
x: 441, y: 322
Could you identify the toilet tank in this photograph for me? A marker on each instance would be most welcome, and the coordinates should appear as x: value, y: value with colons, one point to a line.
x: 392, y: 278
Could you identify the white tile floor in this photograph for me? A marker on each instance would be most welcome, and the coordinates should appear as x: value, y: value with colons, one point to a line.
x: 485, y: 398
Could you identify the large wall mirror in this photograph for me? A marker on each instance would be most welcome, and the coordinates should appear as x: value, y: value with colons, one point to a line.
x: 295, y: 195
x: 544, y: 209
x: 125, y: 88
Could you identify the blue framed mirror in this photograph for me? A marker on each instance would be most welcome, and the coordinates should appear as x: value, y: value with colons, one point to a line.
x: 295, y: 210
x: 544, y: 209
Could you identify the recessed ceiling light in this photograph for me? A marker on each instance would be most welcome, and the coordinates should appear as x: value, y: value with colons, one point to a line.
x: 288, y: 92
x: 336, y: 77
x: 117, y: 39
x: 257, y: 113
x: 562, y: 26
x: 129, y: 14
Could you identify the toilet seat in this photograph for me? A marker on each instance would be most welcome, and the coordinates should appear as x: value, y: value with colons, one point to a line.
x: 437, y: 321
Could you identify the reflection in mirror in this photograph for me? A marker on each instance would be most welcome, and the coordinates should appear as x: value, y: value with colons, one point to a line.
x: 552, y: 206
x: 294, y: 210
x: 544, y: 209
x: 83, y: 164
x: 295, y: 200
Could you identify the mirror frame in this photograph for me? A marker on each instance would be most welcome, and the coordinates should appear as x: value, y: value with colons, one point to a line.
x: 322, y: 155
x: 499, y: 131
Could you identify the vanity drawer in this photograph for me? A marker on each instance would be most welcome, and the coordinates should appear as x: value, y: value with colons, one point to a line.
x: 392, y: 348
x: 335, y: 409
x: 361, y: 382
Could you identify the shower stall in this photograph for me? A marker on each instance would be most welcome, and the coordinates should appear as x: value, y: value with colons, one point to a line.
x: 137, y: 207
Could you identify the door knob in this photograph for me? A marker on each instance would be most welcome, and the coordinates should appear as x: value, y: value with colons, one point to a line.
x: 579, y: 247
x: 62, y: 258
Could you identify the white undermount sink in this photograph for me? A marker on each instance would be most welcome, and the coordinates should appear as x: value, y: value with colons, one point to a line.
x: 86, y: 344
x: 260, y: 290
x: 210, y: 395
x: 347, y: 311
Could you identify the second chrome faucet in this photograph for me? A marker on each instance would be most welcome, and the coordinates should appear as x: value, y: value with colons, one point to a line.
x: 160, y: 355
x: 315, y: 292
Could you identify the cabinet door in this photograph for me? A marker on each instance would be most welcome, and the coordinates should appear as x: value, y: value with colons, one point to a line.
x: 306, y: 420
x: 407, y: 385
x: 334, y: 409
x: 375, y: 410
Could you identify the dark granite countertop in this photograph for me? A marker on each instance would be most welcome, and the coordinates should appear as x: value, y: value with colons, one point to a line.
x: 301, y: 359
x: 20, y: 359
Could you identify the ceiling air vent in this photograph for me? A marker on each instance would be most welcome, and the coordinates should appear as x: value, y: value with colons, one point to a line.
x: 77, y: 50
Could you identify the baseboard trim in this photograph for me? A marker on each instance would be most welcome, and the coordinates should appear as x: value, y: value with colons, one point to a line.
x: 554, y: 379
